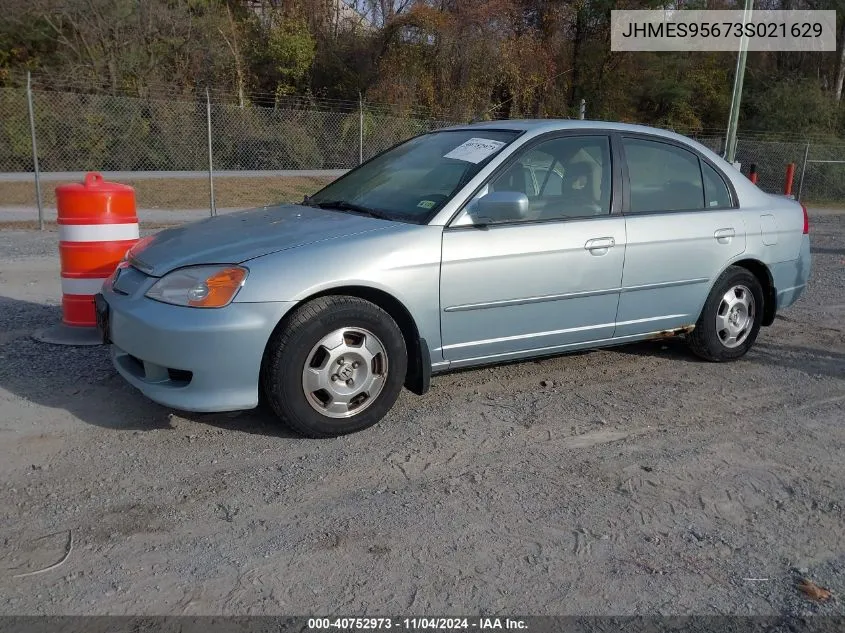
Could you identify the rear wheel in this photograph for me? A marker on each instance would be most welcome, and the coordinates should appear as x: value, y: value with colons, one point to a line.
x: 730, y: 320
x: 335, y: 367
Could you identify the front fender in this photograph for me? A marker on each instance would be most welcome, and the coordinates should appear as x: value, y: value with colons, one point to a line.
x: 403, y: 262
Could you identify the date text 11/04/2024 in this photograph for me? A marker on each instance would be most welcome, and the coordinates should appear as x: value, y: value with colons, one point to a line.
x: 416, y: 624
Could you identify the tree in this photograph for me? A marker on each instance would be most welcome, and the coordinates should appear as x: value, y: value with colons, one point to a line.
x: 283, y: 51
x: 455, y: 59
x: 125, y: 45
x: 840, y: 73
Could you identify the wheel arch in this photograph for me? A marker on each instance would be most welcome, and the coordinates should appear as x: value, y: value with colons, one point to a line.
x: 764, y: 276
x: 418, y: 376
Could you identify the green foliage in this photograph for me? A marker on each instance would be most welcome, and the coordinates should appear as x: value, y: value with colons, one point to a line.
x: 799, y: 107
x: 457, y: 60
x: 678, y: 92
x: 15, y: 142
x: 291, y: 49
x: 286, y: 53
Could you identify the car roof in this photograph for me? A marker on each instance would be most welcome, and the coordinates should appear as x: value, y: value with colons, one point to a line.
x: 553, y: 125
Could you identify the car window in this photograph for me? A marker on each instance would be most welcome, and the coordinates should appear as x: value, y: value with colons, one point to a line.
x: 553, y: 180
x: 662, y: 177
x: 716, y: 193
x: 567, y: 177
x: 412, y: 181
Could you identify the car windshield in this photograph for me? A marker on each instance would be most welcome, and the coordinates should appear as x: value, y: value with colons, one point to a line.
x: 412, y: 181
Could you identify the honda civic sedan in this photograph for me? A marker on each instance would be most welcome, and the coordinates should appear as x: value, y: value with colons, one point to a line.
x: 466, y: 246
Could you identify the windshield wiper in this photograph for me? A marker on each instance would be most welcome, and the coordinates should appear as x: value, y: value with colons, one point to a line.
x: 343, y: 205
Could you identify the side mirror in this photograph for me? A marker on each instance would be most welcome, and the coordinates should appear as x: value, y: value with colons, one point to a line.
x: 501, y: 206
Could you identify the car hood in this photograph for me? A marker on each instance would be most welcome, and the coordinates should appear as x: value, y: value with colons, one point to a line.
x: 237, y: 237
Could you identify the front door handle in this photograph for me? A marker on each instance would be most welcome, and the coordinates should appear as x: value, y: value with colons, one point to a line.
x: 599, y: 245
x: 724, y: 236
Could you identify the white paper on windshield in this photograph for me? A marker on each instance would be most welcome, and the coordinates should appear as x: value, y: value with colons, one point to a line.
x: 475, y: 150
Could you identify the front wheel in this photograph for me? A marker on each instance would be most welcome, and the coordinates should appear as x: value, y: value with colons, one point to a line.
x: 336, y: 366
x: 730, y: 320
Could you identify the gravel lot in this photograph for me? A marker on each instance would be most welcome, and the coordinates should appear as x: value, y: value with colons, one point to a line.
x: 637, y: 480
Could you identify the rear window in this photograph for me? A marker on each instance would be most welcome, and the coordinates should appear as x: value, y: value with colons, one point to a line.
x: 663, y: 177
x: 716, y: 194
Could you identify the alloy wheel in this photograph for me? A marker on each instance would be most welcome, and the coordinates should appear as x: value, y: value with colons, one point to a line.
x: 345, y: 372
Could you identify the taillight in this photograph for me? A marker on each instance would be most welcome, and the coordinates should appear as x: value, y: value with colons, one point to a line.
x: 806, y: 220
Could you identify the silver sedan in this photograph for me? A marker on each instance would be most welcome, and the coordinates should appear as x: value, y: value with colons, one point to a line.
x: 466, y: 246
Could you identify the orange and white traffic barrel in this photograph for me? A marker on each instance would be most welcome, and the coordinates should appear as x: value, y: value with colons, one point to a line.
x: 98, y: 223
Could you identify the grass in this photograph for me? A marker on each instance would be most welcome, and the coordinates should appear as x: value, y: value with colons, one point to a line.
x: 185, y: 193
x: 823, y: 204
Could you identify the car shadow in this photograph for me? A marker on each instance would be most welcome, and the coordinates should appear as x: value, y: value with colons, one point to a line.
x: 258, y: 421
x: 810, y: 360
x: 821, y: 362
x: 83, y: 382
x: 822, y: 250
x: 672, y: 348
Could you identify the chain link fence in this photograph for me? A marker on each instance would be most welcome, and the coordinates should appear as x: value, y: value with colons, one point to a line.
x: 78, y: 132
x: 81, y: 132
x: 819, y: 166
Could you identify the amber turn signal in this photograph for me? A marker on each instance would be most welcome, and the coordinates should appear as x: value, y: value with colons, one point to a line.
x: 218, y: 290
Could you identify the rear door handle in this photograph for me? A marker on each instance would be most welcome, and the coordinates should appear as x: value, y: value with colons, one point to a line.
x: 724, y: 236
x: 599, y: 245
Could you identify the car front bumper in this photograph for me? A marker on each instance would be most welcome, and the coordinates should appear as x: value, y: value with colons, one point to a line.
x: 193, y: 359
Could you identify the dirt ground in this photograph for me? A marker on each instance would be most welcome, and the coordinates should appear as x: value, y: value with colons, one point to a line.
x: 633, y: 481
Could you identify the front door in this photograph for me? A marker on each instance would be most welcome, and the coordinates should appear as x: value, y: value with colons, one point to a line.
x: 542, y: 282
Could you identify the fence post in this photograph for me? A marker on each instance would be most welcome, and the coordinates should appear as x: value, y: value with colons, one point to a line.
x: 213, y: 208
x: 790, y: 179
x: 803, y: 170
x: 360, y: 129
x: 34, y: 152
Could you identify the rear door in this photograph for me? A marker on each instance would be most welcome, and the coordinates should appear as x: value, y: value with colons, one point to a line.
x: 682, y: 228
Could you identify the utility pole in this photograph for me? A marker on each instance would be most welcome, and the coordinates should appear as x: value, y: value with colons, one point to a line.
x: 212, y: 204
x: 739, y: 77
x: 34, y: 152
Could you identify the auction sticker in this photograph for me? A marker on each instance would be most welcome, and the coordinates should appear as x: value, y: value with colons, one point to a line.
x: 475, y: 150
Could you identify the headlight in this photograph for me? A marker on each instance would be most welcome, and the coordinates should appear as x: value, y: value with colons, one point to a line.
x: 199, y: 286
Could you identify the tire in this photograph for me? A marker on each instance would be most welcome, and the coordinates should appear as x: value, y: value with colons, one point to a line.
x: 314, y: 359
x: 726, y: 331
